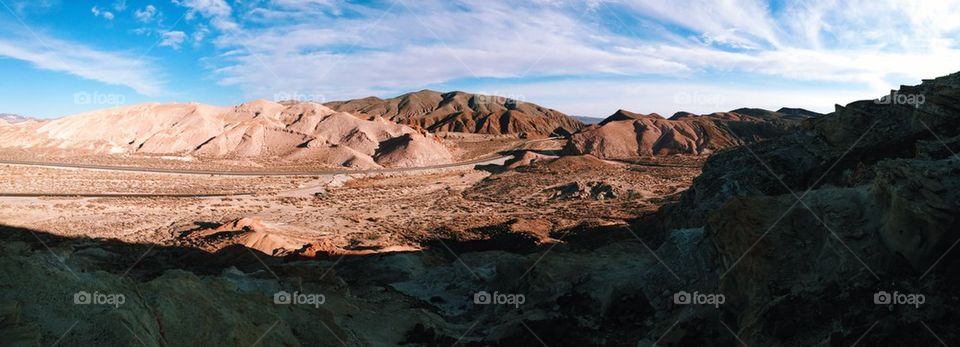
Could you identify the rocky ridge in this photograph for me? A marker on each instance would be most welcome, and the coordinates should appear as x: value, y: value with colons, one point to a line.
x: 810, y: 232
x: 627, y: 135
x: 464, y: 112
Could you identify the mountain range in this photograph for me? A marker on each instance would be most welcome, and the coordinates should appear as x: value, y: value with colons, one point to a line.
x: 13, y: 118
x: 373, y: 132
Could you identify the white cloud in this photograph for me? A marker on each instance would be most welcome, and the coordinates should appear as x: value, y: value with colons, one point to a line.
x: 486, y: 41
x: 857, y: 47
x: 146, y: 14
x: 172, y: 39
x: 120, y: 5
x: 331, y: 6
x: 113, y: 68
x: 199, y: 34
x: 25, y: 7
x: 742, y: 23
x: 98, y: 13
x: 600, y: 98
x: 218, y: 11
x: 209, y: 8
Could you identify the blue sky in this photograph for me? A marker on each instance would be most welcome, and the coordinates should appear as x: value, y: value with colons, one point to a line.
x: 589, y: 57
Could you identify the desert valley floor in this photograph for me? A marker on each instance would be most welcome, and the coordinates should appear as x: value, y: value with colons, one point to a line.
x: 343, y: 211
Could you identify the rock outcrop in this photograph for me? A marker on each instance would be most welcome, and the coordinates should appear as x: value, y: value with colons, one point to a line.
x: 813, y: 230
x: 464, y: 112
x: 275, y: 239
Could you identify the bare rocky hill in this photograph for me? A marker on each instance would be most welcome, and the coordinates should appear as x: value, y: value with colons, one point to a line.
x: 464, y: 112
x: 809, y: 233
x: 627, y: 115
x: 258, y: 129
x: 626, y: 135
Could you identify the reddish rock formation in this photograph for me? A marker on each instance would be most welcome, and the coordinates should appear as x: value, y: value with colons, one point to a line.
x: 626, y: 135
x: 464, y: 112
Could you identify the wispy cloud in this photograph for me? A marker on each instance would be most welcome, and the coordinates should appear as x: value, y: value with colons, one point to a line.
x: 401, y: 45
x: 818, y: 50
x: 146, y: 14
x: 25, y: 7
x: 172, y: 39
x: 54, y: 54
x: 600, y: 98
x: 120, y: 5
x: 217, y: 11
x: 97, y: 12
x: 424, y: 43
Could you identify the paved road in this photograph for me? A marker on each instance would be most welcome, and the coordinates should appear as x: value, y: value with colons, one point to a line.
x: 119, y: 195
x: 242, y: 173
x: 487, y: 159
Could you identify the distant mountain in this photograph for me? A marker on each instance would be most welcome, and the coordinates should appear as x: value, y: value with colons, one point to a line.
x: 464, y: 112
x: 799, y: 112
x: 626, y: 135
x: 756, y: 113
x: 14, y: 118
x: 588, y: 120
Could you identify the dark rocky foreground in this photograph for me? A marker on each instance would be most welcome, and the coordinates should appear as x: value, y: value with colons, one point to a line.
x: 812, y: 228
x: 839, y: 234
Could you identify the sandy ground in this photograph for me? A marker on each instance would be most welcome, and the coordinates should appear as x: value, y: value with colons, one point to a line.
x: 343, y: 212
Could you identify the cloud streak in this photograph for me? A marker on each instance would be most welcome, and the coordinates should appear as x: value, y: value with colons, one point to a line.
x: 314, y: 48
x: 342, y: 49
x: 112, y: 68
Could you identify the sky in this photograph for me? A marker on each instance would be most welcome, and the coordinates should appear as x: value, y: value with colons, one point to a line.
x: 585, y: 58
